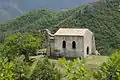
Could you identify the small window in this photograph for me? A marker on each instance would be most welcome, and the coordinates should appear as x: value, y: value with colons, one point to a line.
x: 64, y: 44
x: 74, y: 45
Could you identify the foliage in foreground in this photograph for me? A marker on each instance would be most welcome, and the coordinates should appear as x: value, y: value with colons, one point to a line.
x: 109, y: 70
x: 45, y: 70
x: 19, y: 70
x: 75, y: 70
x: 13, y: 70
x: 6, y: 70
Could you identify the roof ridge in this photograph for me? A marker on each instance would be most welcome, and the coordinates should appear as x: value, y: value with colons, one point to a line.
x: 73, y: 28
x: 72, y: 31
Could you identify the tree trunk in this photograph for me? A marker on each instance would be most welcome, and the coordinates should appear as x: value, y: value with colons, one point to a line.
x: 27, y: 57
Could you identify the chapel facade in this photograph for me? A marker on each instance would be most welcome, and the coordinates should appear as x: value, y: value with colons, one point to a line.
x: 72, y: 42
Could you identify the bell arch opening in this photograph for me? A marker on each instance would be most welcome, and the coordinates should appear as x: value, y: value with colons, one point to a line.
x: 64, y: 44
x: 74, y: 45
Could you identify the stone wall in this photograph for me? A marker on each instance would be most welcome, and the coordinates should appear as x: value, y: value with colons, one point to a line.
x: 88, y: 43
x: 69, y: 51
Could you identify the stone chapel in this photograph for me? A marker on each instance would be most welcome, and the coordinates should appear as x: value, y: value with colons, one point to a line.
x: 72, y: 42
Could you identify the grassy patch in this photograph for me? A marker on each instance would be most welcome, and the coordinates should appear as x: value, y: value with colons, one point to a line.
x: 93, y: 62
x: 96, y: 60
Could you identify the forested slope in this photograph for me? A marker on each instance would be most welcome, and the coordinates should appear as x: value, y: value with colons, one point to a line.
x: 101, y: 17
x: 15, y: 8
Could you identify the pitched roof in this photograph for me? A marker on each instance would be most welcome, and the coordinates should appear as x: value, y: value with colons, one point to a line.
x: 71, y: 31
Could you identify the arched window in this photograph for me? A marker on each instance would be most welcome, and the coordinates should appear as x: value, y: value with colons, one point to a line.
x: 74, y: 45
x: 87, y: 50
x: 64, y: 44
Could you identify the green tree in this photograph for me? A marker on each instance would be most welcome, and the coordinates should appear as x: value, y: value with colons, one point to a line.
x: 21, y: 68
x: 21, y: 44
x: 16, y: 69
x: 45, y: 70
x: 75, y: 70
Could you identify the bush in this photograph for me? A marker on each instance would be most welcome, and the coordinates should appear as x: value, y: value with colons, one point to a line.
x: 20, y: 44
x: 6, y: 70
x: 75, y: 70
x: 13, y: 70
x: 45, y: 70
x: 109, y: 70
x: 21, y: 68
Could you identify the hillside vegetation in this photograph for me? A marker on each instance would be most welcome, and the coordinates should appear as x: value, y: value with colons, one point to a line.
x: 15, y: 8
x: 101, y: 17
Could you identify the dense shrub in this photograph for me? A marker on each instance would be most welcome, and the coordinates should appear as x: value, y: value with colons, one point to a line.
x: 13, y: 70
x: 45, y: 70
x: 75, y: 70
x: 20, y: 44
x: 21, y: 68
x: 6, y: 69
x: 109, y: 70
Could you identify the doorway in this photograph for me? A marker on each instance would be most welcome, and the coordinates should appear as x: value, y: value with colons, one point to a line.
x: 88, y: 51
